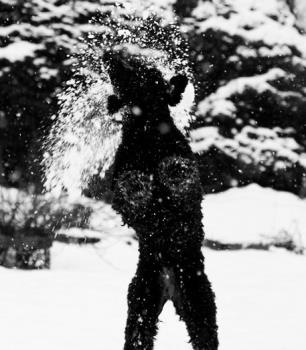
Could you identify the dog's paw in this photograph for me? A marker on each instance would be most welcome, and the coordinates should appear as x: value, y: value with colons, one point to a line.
x: 180, y: 178
x: 132, y: 196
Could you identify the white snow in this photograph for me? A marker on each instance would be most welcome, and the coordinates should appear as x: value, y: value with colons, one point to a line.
x: 270, y: 21
x: 254, y: 214
x: 203, y: 138
x: 81, y: 302
x: 244, y: 215
x: 256, y: 145
x: 18, y: 51
x: 83, y: 144
x: 219, y: 102
x: 300, y: 10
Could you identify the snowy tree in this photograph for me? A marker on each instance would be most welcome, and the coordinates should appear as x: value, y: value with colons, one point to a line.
x: 36, y: 39
x: 298, y: 7
x: 250, y: 124
x: 249, y: 60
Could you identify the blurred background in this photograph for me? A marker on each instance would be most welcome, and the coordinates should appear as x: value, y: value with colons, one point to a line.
x: 248, y: 133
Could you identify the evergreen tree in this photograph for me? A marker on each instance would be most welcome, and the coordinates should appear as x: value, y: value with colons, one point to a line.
x: 249, y: 60
x: 250, y: 123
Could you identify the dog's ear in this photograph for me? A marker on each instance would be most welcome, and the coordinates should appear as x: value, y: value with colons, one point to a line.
x: 114, y: 104
x: 178, y: 85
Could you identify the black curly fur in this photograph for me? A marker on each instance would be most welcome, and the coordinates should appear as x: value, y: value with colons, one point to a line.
x: 157, y: 191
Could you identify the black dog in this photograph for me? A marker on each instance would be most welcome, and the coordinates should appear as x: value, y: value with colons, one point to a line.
x: 157, y: 191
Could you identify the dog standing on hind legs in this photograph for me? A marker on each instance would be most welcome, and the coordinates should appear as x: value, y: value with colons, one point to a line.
x: 157, y: 191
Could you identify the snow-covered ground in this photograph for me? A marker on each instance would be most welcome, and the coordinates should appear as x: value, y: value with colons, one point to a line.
x: 81, y: 302
x: 246, y: 215
x: 253, y: 215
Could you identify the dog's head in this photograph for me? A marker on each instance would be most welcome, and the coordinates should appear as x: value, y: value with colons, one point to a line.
x: 138, y: 84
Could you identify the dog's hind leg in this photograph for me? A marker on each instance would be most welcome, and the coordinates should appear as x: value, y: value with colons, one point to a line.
x: 194, y: 301
x: 145, y: 302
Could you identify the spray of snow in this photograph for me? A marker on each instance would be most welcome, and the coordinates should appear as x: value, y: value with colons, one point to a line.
x: 84, y: 136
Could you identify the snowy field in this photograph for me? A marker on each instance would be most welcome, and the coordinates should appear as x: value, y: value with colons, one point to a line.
x: 253, y: 215
x: 249, y: 215
x: 81, y: 302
